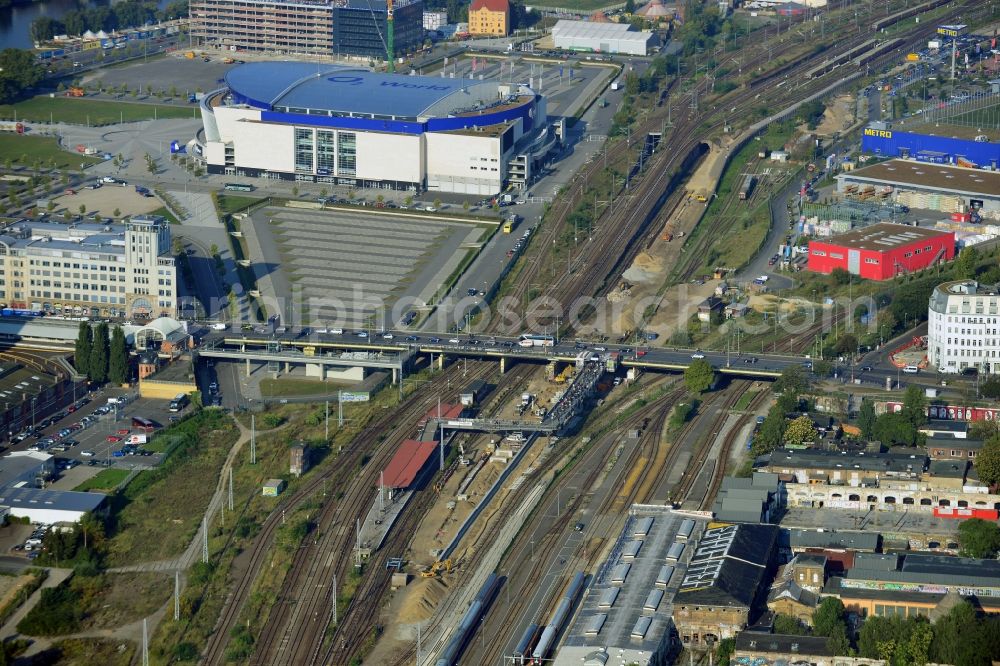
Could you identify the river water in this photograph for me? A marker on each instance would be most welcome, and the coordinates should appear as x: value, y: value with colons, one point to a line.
x: 15, y: 21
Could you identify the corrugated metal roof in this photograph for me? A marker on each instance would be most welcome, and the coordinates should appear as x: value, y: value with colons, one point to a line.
x: 410, y: 458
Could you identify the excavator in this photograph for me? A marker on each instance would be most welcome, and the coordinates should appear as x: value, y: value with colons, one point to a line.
x: 443, y: 566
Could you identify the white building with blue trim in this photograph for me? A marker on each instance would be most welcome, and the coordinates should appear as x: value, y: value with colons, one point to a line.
x: 349, y: 126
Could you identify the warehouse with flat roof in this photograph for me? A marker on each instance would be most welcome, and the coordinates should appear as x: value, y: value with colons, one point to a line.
x: 333, y: 124
x: 926, y: 185
x: 882, y: 251
x: 593, y: 37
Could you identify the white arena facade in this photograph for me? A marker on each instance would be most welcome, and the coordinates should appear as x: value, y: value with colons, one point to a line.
x: 350, y: 126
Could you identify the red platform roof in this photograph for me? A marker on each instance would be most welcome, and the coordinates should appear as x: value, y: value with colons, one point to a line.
x: 448, y: 411
x: 410, y: 458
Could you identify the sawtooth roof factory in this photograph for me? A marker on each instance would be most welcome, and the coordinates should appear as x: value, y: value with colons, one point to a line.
x: 350, y: 126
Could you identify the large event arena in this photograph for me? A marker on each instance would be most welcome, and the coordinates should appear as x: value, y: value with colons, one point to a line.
x: 350, y: 126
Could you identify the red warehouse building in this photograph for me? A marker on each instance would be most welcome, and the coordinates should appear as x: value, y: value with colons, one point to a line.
x: 882, y: 251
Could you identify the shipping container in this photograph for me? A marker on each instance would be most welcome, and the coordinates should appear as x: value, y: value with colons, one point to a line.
x: 964, y: 513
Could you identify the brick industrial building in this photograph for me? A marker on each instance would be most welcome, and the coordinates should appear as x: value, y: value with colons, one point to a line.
x: 882, y: 251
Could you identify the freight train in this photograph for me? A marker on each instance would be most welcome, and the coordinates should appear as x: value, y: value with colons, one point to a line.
x: 467, y: 625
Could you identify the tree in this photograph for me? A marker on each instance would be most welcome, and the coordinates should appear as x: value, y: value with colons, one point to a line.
x: 19, y: 71
x: 965, y: 265
x: 984, y: 430
x: 81, y: 350
x: 772, y: 431
x: 988, y: 462
x: 828, y: 617
x: 866, y: 419
x: 629, y: 6
x: 958, y: 638
x: 118, y: 361
x: 979, y: 538
x: 99, y: 354
x: 83, y: 209
x: 788, y: 625
x: 894, y: 428
x: 991, y: 389
x: 117, y: 212
x: 800, y: 430
x: 792, y: 381
x: 915, y: 406
x: 847, y: 345
x: 698, y: 376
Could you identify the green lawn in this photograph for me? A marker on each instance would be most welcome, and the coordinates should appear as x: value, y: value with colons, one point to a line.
x: 24, y: 150
x: 232, y: 203
x: 88, y: 111
x: 287, y: 387
x: 744, y: 400
x: 163, y: 212
x: 106, y: 479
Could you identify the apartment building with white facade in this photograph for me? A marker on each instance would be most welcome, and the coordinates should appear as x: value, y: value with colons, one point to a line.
x: 963, y: 327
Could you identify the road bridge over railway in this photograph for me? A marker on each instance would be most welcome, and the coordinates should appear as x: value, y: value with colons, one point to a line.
x: 506, y: 349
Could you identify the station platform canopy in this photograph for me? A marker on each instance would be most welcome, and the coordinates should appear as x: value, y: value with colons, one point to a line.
x: 405, y: 466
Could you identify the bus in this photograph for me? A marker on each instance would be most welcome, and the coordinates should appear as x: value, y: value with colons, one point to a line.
x: 239, y: 187
x: 179, y: 402
x: 536, y: 341
x: 509, y: 223
x: 142, y: 424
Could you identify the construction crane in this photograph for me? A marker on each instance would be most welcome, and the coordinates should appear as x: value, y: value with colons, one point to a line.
x: 390, y: 44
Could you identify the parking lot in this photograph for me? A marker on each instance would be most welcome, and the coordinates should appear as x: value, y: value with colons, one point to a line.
x: 352, y: 268
x: 105, y: 200
x: 83, y: 436
x: 566, y: 85
x: 174, y: 71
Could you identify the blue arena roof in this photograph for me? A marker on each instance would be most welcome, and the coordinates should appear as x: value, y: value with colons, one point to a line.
x: 301, y: 87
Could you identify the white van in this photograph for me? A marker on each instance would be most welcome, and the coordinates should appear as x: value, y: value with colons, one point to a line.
x: 912, y: 369
x: 337, y: 331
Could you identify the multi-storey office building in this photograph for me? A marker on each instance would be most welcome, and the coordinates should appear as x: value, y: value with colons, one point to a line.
x: 95, y: 270
x: 314, y: 27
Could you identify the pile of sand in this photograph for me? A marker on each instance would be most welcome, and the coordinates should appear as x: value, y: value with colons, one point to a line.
x: 421, y: 599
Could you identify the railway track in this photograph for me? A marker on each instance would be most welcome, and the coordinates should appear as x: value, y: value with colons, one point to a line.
x: 298, y: 621
x: 374, y: 586
x: 531, y: 570
x: 719, y: 472
x: 214, y: 652
x: 632, y: 226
